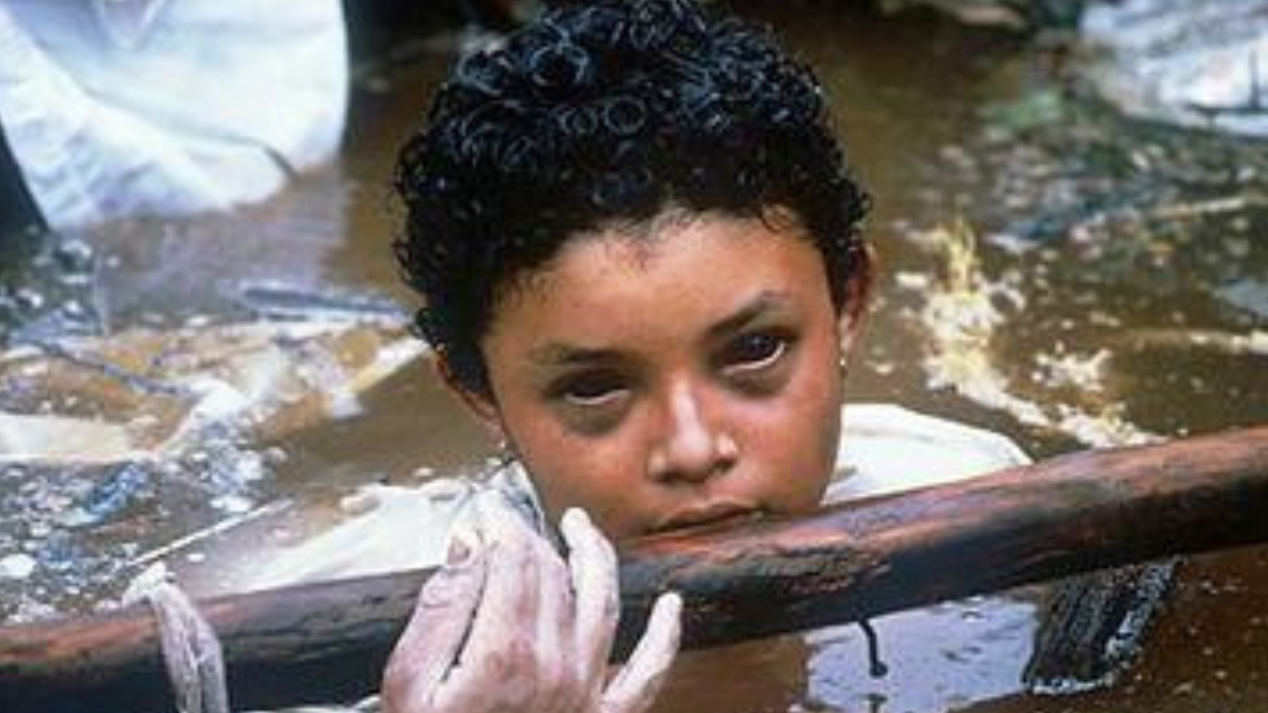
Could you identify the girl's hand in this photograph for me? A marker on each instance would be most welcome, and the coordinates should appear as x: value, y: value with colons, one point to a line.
x: 507, y: 627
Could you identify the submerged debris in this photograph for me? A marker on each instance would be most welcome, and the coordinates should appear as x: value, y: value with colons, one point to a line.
x: 1092, y: 628
x: 47, y: 287
x: 112, y: 447
x: 147, y: 394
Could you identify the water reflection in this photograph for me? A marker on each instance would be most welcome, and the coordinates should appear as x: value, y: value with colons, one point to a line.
x: 938, y: 658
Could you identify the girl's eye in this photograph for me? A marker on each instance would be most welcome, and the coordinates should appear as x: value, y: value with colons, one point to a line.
x: 592, y: 389
x: 753, y: 352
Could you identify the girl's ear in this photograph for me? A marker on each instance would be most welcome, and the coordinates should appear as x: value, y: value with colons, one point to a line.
x: 854, y: 306
x: 483, y: 407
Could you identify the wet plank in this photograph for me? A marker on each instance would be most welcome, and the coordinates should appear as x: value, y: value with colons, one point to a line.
x: 1068, y: 515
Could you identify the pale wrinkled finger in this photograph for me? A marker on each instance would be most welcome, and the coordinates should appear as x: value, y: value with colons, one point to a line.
x: 428, y: 648
x: 592, y: 563
x: 554, y: 639
x: 499, y: 649
x: 636, y: 685
x: 555, y: 600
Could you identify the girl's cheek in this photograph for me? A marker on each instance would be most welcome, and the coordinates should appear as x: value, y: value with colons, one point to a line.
x: 591, y: 422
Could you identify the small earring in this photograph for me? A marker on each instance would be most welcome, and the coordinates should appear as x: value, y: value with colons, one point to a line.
x: 505, y: 455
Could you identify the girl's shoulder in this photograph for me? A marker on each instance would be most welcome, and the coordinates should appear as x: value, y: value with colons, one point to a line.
x: 887, y: 448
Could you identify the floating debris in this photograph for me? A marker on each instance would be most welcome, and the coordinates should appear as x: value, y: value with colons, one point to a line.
x: 280, y: 300
x: 1253, y: 343
x: 47, y: 288
x: 1080, y: 371
x: 184, y: 543
x: 115, y: 449
x: 146, y: 393
x: 981, y: 13
x: 17, y: 566
x: 1196, y: 64
x: 1249, y: 295
x: 111, y: 497
x: 56, y: 438
x: 962, y: 316
x: 964, y: 312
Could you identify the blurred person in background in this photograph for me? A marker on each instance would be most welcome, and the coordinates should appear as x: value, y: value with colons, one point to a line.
x: 113, y: 108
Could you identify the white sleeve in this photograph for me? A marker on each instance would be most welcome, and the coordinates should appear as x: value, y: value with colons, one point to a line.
x: 886, y: 448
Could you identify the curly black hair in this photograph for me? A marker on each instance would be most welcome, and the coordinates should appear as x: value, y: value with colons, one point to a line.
x: 609, y: 112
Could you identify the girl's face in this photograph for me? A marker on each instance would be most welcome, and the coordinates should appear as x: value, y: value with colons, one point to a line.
x: 663, y: 380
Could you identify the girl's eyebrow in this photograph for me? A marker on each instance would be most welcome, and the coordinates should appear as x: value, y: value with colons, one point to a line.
x: 557, y: 354
x: 561, y: 354
x: 765, y: 302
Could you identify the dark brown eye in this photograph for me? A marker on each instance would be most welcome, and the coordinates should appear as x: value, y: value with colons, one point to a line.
x: 592, y: 389
x: 754, y: 351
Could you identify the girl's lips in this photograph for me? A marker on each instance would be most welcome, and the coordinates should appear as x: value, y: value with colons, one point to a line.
x: 706, y: 514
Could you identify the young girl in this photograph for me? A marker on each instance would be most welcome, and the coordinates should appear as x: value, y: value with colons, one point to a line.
x: 639, y: 249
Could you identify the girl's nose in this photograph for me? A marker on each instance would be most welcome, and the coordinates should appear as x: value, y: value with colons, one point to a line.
x: 690, y: 447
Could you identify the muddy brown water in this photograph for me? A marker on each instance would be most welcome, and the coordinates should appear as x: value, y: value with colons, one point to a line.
x: 1111, y: 244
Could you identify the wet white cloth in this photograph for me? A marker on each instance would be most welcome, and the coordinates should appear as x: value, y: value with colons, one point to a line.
x: 400, y: 528
x: 115, y: 108
x: 884, y: 448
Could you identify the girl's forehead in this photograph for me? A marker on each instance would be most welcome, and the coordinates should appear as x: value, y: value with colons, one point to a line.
x: 689, y: 249
x: 673, y: 241
x: 673, y: 235
x: 700, y: 267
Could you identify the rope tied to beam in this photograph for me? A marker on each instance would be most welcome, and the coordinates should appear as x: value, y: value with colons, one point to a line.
x: 191, y: 650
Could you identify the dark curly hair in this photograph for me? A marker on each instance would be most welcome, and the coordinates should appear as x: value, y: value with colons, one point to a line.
x: 600, y: 113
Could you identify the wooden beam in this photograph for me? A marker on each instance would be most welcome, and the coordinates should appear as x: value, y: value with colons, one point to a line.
x: 1077, y: 513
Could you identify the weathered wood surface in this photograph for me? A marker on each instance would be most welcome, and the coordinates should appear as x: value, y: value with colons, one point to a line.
x: 868, y: 557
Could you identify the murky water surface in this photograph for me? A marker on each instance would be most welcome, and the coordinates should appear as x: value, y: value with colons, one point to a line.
x: 1119, y: 271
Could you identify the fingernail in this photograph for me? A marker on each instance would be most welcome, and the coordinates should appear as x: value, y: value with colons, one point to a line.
x: 573, y: 518
x: 461, y: 550
x: 458, y: 554
x: 673, y: 600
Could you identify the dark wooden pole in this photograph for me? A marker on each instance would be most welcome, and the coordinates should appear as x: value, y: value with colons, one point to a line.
x: 328, y: 642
